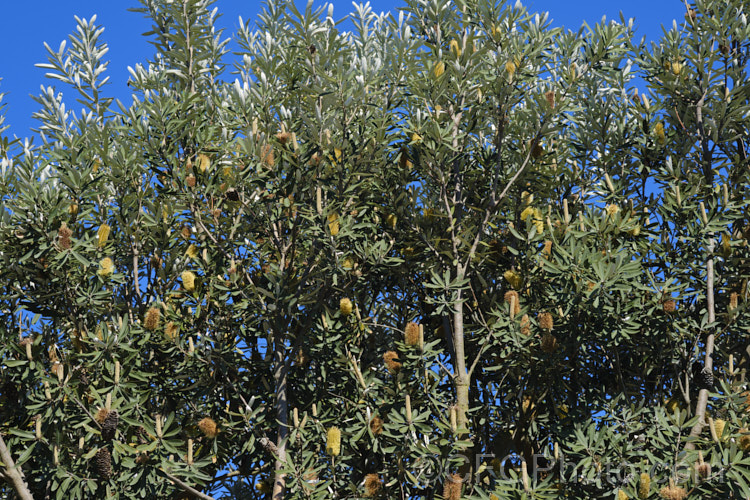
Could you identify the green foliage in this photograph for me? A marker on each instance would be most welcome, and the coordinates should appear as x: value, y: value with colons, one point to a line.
x: 574, y: 249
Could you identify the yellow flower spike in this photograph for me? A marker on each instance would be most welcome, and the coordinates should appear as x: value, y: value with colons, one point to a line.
x: 188, y: 280
x: 192, y: 251
x: 333, y: 442
x: 345, y: 307
x: 415, y: 137
x: 644, y: 486
x: 661, y: 137
x: 514, y: 279
x: 526, y: 213
x: 102, y: 234
x: 204, y: 162
x: 719, y: 425
x: 510, y: 68
x: 106, y: 267
x: 438, y: 69
x: 538, y: 222
x: 333, y: 224
x: 455, y: 48
x: 611, y: 210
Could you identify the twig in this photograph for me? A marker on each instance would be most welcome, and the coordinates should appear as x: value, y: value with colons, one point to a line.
x: 187, y: 487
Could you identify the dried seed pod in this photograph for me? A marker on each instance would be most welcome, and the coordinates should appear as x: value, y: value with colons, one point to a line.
x: 669, y: 306
x: 411, y: 334
x: 373, y: 485
x: 109, y: 426
x: 390, y: 358
x: 152, y: 319
x: 376, y: 425
x: 511, y: 297
x: 673, y: 492
x: 702, y: 468
x: 452, y: 487
x: 550, y: 97
x: 101, y: 415
x: 171, y: 330
x: 545, y: 321
x: 525, y: 325
x: 208, y: 427
x: 549, y: 343
x: 103, y: 463
x: 63, y: 237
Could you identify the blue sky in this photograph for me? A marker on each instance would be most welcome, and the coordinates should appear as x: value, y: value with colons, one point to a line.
x: 28, y: 24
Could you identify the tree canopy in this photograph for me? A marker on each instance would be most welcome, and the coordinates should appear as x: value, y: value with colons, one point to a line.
x: 452, y: 252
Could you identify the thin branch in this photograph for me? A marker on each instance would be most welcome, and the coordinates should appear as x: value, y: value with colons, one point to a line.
x: 186, y: 487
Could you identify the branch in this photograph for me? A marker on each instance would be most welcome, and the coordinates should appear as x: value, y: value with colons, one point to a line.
x: 14, y: 474
x: 187, y: 487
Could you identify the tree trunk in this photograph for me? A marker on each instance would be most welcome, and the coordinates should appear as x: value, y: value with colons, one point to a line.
x: 282, y: 415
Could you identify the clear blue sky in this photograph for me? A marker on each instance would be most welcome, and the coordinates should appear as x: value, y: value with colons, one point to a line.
x: 27, y: 24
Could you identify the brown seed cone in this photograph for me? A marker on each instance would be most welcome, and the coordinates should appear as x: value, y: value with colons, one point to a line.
x: 376, y: 425
x: 208, y: 427
x: 372, y: 485
x: 63, y: 236
x: 283, y: 137
x: 452, y: 487
x: 545, y: 321
x: 109, y: 426
x: 703, y: 470
x: 411, y: 334
x: 547, y: 251
x: 745, y: 439
x: 549, y: 343
x: 525, y: 325
x: 390, y: 359
x: 267, y: 156
x: 550, y: 97
x: 669, y: 306
x: 171, y: 330
x: 509, y: 296
x: 101, y: 415
x: 152, y: 319
x: 103, y: 463
x: 673, y: 492
x: 733, y: 299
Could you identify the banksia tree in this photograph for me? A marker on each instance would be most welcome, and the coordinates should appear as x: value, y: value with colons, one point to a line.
x: 555, y: 235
